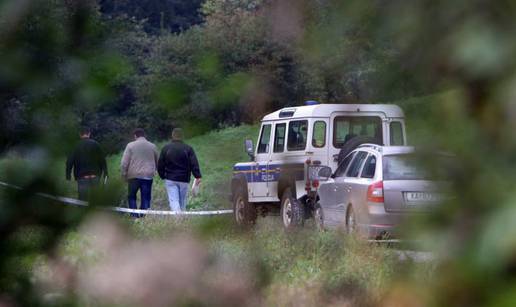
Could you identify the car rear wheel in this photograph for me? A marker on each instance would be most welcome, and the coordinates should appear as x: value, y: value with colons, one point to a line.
x: 245, y: 213
x: 292, y: 213
x: 350, y: 221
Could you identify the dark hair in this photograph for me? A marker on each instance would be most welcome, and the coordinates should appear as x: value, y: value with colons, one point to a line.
x: 84, y: 130
x: 138, y: 132
x: 177, y: 134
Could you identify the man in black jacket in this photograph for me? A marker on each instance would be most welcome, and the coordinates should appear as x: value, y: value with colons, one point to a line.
x: 176, y: 163
x: 88, y: 163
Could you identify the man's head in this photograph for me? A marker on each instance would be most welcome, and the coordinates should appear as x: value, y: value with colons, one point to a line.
x: 177, y: 134
x: 138, y: 132
x: 85, y: 132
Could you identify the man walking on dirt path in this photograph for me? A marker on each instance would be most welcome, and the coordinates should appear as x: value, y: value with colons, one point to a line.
x: 138, y: 166
x: 177, y: 162
x: 88, y: 163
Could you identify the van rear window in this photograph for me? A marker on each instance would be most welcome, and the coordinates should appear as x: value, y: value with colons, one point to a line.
x: 347, y: 127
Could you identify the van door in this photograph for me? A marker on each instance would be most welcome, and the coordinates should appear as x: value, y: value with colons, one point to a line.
x: 345, y: 126
x: 260, y: 176
x: 277, y: 159
x: 319, y: 140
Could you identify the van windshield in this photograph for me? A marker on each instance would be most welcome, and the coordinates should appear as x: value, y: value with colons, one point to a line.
x: 347, y: 127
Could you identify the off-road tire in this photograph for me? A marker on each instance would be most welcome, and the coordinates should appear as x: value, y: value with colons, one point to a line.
x: 244, y: 213
x: 292, y: 211
x: 350, y: 145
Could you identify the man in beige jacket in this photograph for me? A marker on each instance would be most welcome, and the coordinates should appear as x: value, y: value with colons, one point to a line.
x: 139, y: 164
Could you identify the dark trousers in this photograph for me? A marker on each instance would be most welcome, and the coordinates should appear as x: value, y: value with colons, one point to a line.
x: 145, y: 188
x: 84, y: 187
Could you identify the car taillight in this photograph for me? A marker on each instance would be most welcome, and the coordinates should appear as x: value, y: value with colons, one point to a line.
x: 375, y: 192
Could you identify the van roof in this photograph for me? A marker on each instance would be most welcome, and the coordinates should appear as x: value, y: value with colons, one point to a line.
x: 325, y: 110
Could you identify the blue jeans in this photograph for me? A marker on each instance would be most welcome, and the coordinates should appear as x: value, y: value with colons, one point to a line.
x: 177, y: 194
x: 145, y: 187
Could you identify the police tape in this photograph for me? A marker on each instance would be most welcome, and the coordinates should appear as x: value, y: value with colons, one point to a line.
x: 80, y: 203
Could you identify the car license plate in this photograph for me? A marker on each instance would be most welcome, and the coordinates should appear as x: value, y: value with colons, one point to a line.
x: 423, y: 197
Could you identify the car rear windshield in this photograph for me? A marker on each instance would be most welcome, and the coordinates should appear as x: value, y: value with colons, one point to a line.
x: 400, y: 167
x: 407, y: 167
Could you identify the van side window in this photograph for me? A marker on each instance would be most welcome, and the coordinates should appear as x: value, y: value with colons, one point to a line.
x: 279, y: 137
x: 347, y: 127
x: 319, y: 134
x: 369, y: 167
x: 263, y: 145
x: 396, y: 132
x: 355, y: 166
x: 344, y: 165
x: 297, y: 132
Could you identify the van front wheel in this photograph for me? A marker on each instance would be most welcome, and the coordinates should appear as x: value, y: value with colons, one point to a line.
x: 292, y: 211
x: 244, y: 212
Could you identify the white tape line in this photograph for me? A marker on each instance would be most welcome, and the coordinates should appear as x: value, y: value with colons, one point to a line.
x: 162, y: 212
x: 66, y: 200
x: 385, y: 241
x: 76, y: 202
x: 10, y: 185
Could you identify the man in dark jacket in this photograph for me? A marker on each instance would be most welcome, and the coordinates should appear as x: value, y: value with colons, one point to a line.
x: 176, y: 163
x: 88, y: 163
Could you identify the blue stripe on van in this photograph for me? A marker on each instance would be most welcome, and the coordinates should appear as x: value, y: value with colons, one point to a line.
x: 259, y: 173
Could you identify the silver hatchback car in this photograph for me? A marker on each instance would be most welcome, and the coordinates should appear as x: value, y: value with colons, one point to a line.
x: 373, y: 189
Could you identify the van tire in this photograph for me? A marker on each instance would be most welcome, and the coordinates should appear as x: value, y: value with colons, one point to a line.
x: 292, y: 211
x: 352, y: 144
x: 244, y: 213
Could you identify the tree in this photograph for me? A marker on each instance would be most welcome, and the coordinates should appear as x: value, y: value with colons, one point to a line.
x: 159, y: 15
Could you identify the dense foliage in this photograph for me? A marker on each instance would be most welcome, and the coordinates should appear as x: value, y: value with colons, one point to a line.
x: 245, y: 59
x: 158, y: 15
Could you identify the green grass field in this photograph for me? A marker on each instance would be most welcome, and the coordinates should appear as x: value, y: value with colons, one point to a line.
x: 216, y: 151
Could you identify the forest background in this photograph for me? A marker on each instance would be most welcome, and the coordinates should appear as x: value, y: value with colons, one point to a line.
x: 198, y: 64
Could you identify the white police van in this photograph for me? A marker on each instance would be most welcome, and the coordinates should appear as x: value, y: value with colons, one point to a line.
x: 292, y: 139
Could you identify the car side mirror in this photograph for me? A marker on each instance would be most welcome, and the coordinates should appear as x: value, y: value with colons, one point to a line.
x: 321, y: 173
x: 249, y: 148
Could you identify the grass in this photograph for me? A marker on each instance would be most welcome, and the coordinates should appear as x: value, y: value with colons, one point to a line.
x: 299, y: 268
x: 216, y: 151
